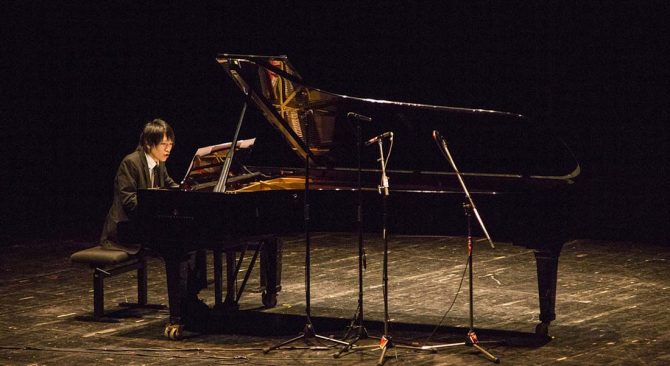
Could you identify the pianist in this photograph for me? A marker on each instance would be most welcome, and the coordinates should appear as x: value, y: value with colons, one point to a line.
x: 143, y: 168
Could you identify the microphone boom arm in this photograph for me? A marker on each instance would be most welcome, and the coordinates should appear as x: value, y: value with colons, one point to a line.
x: 442, y: 145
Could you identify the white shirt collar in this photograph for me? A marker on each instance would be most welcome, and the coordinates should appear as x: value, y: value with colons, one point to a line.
x: 150, y: 161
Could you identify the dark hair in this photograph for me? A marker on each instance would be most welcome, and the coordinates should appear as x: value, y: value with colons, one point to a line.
x: 153, y: 133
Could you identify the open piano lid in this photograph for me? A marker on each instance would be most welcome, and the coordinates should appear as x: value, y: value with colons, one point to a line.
x: 484, y: 142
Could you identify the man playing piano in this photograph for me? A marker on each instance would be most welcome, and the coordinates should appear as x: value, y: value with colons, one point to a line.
x: 143, y: 168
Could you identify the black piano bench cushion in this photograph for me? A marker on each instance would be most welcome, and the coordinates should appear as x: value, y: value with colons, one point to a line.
x: 100, y: 256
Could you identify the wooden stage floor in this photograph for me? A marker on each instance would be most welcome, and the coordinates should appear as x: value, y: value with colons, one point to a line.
x: 613, y: 307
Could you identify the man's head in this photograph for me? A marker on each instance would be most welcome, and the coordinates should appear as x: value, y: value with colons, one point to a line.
x: 157, y: 139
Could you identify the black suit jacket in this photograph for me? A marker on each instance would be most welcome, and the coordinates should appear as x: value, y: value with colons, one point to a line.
x: 133, y: 174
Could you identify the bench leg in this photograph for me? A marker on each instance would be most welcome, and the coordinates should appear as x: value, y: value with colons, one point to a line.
x: 99, y: 275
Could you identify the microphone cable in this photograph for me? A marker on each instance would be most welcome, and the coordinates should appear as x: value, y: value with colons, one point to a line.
x: 458, y: 291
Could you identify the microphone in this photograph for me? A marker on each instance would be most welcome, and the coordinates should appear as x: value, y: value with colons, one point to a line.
x: 359, y: 117
x: 379, y: 137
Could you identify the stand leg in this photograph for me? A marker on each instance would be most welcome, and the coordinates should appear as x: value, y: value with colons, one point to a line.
x: 486, y: 354
x: 387, y: 343
x: 474, y: 342
x: 282, y: 344
x: 356, y: 324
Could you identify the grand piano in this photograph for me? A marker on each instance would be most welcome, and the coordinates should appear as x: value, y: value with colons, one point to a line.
x: 519, y: 175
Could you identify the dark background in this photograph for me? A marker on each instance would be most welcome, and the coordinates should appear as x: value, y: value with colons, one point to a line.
x: 81, y: 79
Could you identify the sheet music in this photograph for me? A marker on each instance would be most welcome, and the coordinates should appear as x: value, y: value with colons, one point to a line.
x: 242, y: 144
x: 206, y: 150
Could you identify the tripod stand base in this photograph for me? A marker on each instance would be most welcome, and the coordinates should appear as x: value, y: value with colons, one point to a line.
x: 471, y: 341
x: 385, y: 343
x: 362, y: 334
x: 355, y: 325
x: 307, y: 332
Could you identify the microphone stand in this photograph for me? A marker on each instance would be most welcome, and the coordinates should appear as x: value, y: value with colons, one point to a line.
x: 357, y: 319
x: 308, y: 329
x: 386, y: 341
x: 470, y: 208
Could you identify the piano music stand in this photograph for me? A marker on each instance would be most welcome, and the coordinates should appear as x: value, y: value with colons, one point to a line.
x: 308, y: 329
x: 470, y: 208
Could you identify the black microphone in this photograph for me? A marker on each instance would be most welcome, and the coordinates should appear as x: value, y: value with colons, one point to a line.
x: 359, y: 117
x: 379, y: 137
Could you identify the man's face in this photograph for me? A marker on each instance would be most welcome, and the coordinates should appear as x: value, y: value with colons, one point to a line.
x: 161, y: 152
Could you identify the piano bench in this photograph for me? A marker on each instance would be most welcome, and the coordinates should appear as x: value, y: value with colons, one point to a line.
x: 109, y: 263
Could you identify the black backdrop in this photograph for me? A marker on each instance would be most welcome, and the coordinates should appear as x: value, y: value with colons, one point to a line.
x: 81, y: 79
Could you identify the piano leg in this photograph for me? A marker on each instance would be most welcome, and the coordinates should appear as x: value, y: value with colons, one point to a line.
x: 271, y: 257
x: 547, y: 275
x: 218, y: 278
x: 231, y: 276
x: 200, y: 271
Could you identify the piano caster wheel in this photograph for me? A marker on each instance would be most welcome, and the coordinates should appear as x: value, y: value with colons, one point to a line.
x: 542, y: 329
x: 269, y: 300
x: 174, y: 331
